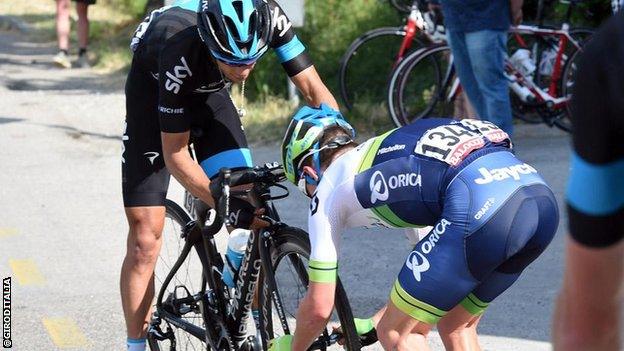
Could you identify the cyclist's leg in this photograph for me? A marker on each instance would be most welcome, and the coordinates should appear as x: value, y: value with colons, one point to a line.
x: 517, y: 232
x: 223, y: 142
x: 458, y: 330
x: 463, y: 67
x: 487, y: 50
x: 589, y: 319
x: 144, y: 181
x: 436, y: 264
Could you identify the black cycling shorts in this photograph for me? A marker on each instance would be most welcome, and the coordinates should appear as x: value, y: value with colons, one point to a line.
x: 218, y: 139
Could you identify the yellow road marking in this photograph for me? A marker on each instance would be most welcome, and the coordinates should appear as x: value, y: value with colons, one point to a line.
x: 26, y: 272
x: 65, y: 333
x: 6, y: 232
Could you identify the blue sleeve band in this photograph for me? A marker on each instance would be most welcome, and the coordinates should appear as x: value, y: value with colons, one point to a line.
x: 596, y: 189
x: 231, y: 159
x: 290, y: 50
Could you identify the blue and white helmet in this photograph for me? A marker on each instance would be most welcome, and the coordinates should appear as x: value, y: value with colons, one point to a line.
x: 236, y: 31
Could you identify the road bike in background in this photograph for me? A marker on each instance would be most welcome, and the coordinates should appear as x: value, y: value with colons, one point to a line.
x: 361, y: 80
x: 424, y: 83
x: 196, y: 310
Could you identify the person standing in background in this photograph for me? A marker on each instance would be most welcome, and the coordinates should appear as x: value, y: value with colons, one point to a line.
x: 477, y: 34
x: 63, y: 27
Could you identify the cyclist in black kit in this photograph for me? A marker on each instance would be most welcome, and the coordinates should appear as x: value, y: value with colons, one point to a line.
x: 184, y: 55
x: 588, y: 313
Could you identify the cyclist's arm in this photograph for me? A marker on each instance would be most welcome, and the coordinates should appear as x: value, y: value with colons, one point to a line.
x: 183, y: 167
x: 296, y: 62
x: 175, y: 79
x: 313, y: 89
x: 315, y: 309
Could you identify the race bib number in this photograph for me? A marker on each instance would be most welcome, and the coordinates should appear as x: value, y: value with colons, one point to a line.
x: 449, y: 143
x: 488, y: 129
x: 452, y: 143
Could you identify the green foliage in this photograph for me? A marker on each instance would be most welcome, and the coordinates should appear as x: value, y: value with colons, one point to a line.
x: 588, y: 13
x: 330, y: 26
x: 136, y: 8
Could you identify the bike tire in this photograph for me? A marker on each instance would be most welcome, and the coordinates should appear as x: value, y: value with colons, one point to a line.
x: 417, y: 87
x: 403, y: 6
x: 176, y: 219
x: 294, y: 243
x: 361, y: 81
x: 568, y: 77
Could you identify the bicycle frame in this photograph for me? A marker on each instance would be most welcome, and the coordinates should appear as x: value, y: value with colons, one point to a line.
x: 415, y: 22
x: 452, y: 86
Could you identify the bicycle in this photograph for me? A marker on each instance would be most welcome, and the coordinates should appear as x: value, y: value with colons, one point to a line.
x: 424, y: 83
x: 359, y: 77
x: 211, y: 316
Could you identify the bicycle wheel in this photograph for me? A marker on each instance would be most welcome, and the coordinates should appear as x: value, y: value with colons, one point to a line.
x: 185, y: 283
x: 290, y: 254
x: 419, y: 87
x: 403, y: 6
x: 568, y: 77
x: 366, y: 66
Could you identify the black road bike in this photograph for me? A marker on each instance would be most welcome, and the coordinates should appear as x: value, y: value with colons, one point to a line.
x: 195, y: 310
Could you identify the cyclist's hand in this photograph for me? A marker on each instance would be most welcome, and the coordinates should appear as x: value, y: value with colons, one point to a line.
x: 257, y: 222
x: 241, y: 213
x: 283, y: 343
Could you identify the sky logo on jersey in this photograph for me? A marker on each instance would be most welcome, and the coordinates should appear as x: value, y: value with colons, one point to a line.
x: 498, y: 174
x: 380, y: 189
x: 281, y: 22
x: 174, y: 81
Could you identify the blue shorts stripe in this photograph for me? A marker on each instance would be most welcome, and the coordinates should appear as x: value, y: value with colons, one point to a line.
x: 290, y: 50
x: 596, y: 189
x: 231, y: 159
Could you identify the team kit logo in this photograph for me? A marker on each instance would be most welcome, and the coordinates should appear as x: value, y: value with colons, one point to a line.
x: 417, y: 260
x: 380, y: 188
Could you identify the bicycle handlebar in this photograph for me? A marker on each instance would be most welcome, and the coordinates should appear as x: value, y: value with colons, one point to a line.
x: 270, y: 173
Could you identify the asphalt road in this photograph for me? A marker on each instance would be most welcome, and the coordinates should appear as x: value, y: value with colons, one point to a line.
x: 62, y: 227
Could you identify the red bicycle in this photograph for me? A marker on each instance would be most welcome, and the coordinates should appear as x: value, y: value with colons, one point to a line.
x: 540, y: 73
x: 361, y: 81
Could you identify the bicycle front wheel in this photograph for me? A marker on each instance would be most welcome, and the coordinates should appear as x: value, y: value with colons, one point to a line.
x: 421, y: 86
x: 289, y: 259
x: 366, y: 66
x: 181, y: 295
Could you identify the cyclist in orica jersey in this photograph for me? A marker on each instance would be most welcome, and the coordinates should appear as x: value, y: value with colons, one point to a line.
x: 184, y: 55
x: 490, y: 215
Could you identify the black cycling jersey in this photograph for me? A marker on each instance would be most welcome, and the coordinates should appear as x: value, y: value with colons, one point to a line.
x: 168, y: 47
x: 174, y: 85
x: 596, y: 187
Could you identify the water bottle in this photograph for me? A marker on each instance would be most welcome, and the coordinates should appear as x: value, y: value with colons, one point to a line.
x: 521, y: 60
x: 237, y: 243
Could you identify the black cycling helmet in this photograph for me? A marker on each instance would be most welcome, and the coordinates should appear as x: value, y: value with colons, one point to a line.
x: 236, y: 31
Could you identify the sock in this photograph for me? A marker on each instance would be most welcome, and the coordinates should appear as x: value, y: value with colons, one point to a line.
x: 64, y: 51
x: 136, y: 344
x: 82, y: 51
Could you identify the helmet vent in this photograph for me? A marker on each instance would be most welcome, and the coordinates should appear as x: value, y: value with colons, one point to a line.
x: 238, y: 7
x: 231, y: 28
